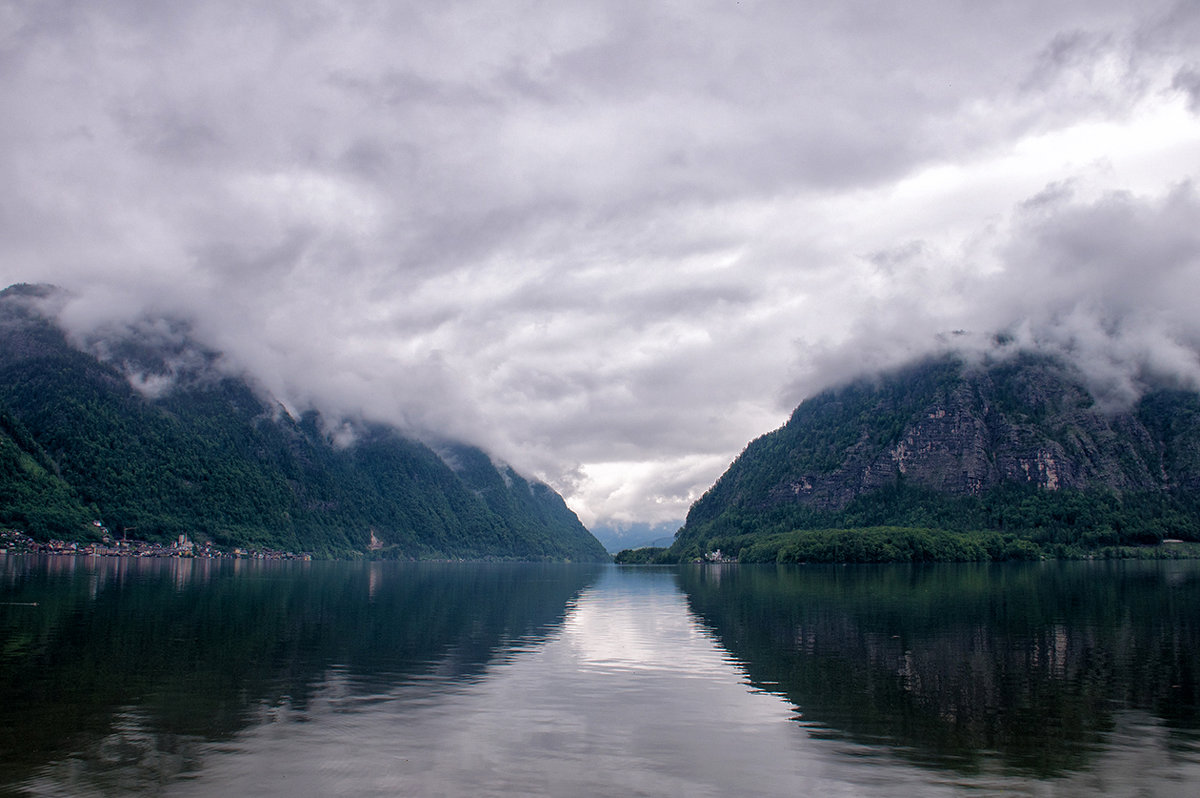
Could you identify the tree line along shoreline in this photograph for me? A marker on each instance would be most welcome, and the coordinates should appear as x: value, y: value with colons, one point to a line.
x: 894, y: 544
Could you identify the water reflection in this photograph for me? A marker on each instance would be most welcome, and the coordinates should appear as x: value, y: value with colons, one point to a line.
x: 120, y: 677
x: 1036, y: 670
x: 118, y: 669
x: 628, y: 697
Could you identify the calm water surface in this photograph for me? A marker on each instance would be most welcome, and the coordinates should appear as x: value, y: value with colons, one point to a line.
x: 125, y: 677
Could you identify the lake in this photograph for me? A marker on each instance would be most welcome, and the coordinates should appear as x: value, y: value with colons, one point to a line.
x: 196, y: 678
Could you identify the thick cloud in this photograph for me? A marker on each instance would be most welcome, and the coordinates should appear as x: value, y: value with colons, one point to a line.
x: 611, y: 242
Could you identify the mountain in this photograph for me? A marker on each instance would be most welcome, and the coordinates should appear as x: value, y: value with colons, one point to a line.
x: 617, y: 536
x: 1015, y: 446
x: 145, y: 434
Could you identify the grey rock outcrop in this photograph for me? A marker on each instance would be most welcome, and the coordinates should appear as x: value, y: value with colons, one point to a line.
x: 962, y: 430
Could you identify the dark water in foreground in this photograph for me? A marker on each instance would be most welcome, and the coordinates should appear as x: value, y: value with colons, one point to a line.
x: 123, y: 677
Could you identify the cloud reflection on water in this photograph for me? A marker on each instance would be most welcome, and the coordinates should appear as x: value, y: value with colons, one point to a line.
x: 630, y: 697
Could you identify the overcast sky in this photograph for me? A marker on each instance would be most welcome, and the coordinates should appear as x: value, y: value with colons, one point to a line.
x: 611, y: 242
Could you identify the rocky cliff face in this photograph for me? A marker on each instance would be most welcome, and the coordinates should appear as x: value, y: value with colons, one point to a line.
x: 964, y: 430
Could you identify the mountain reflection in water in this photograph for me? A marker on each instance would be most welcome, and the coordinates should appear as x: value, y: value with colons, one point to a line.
x: 1032, y: 668
x: 120, y: 677
x: 119, y: 667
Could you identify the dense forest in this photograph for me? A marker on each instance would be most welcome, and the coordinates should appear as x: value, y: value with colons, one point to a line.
x: 210, y: 458
x: 945, y: 460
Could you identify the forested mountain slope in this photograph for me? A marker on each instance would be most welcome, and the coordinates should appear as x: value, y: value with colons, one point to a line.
x: 1016, y: 445
x: 203, y: 454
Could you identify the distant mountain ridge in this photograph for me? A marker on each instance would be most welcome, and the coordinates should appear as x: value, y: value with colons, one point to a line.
x: 193, y: 451
x: 1016, y: 444
x: 618, y: 536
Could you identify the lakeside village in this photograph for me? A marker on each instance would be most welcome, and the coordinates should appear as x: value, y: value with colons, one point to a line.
x: 13, y: 541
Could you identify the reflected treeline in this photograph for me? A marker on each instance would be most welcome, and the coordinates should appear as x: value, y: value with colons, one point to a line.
x: 952, y: 665
x: 197, y: 648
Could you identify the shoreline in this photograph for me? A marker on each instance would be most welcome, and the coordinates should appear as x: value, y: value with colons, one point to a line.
x: 13, y: 541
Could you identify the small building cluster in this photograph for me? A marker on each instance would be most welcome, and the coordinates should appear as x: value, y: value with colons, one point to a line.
x: 13, y: 541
